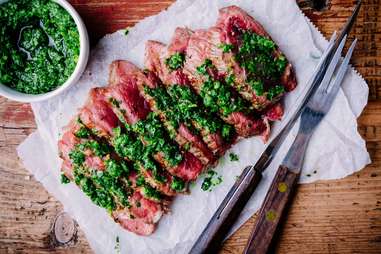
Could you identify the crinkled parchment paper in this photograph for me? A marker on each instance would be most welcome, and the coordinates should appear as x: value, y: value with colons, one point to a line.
x: 335, y: 151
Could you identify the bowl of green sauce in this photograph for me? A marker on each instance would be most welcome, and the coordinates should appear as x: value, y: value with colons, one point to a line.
x: 44, y: 48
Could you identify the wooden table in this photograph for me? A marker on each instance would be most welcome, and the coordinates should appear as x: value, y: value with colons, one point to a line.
x: 341, y: 216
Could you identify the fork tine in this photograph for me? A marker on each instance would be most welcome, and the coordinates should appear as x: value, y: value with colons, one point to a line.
x: 334, y: 88
x: 332, y: 66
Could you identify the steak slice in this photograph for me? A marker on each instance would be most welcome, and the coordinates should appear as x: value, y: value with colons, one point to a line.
x: 202, y: 69
x: 177, y: 83
x: 97, y: 115
x: 161, y: 103
x: 230, y: 49
x: 126, y: 76
x: 142, y: 213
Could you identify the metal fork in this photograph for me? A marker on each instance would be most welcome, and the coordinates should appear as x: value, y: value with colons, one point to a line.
x: 289, y: 171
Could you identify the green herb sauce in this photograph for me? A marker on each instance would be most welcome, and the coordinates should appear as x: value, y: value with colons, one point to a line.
x: 217, y: 94
x: 108, y: 188
x: 129, y: 147
x: 39, y: 45
x: 180, y: 105
x: 177, y: 184
x: 157, y: 139
x: 175, y: 61
x: 190, y: 108
x: 147, y: 190
x: 211, y: 180
x: 233, y: 157
x: 64, y: 179
x: 226, y: 47
x: 99, y: 195
x: 256, y: 55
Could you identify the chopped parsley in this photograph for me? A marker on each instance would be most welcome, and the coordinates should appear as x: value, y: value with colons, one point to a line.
x: 187, y: 105
x: 230, y: 79
x: 203, y: 68
x: 217, y: 94
x: 256, y: 56
x: 83, y: 132
x: 233, y: 157
x: 257, y: 86
x: 116, y: 169
x: 132, y: 148
x: 210, y: 181
x: 275, y: 91
x: 99, y: 196
x: 177, y: 184
x: 100, y: 149
x: 150, y: 192
x: 226, y: 47
x: 175, y: 61
x: 77, y: 156
x: 64, y: 179
x: 157, y: 139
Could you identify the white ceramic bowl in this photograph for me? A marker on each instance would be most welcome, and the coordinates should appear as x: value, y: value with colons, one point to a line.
x: 81, y: 64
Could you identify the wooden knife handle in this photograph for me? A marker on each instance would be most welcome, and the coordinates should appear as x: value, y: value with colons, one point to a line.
x: 210, y: 240
x: 271, y: 211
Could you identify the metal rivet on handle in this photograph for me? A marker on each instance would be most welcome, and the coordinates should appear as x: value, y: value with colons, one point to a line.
x: 282, y: 187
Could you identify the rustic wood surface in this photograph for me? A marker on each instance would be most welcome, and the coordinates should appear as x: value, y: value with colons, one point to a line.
x: 341, y: 216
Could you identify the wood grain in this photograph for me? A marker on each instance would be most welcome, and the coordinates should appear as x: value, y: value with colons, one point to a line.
x: 341, y: 216
x: 273, y: 209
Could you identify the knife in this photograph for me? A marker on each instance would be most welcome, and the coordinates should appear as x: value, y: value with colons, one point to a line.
x: 219, y: 225
x: 287, y: 175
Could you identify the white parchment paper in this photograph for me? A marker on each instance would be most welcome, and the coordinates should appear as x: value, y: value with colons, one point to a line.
x: 336, y: 149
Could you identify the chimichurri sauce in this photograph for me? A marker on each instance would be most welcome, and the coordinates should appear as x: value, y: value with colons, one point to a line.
x: 39, y: 45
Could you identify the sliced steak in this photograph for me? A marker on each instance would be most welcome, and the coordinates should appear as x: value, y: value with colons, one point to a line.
x: 141, y: 217
x: 161, y: 103
x: 151, y: 131
x: 147, y: 212
x: 156, y: 60
x: 97, y: 114
x: 217, y: 95
x: 234, y: 34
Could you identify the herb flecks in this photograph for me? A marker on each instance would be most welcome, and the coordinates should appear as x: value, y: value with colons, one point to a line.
x: 256, y: 55
x: 175, y: 61
x: 157, y: 139
x: 177, y: 184
x: 83, y: 132
x: 275, y: 91
x: 117, y: 245
x: 226, y: 48
x: 211, y: 180
x: 64, y: 179
x: 233, y: 157
x: 133, y: 149
x: 217, y: 94
x: 188, y: 107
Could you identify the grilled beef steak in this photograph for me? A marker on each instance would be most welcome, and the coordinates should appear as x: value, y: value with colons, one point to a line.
x: 108, y: 183
x: 139, y: 141
x: 217, y: 135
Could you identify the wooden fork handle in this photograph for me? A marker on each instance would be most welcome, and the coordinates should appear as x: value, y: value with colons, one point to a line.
x: 271, y: 211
